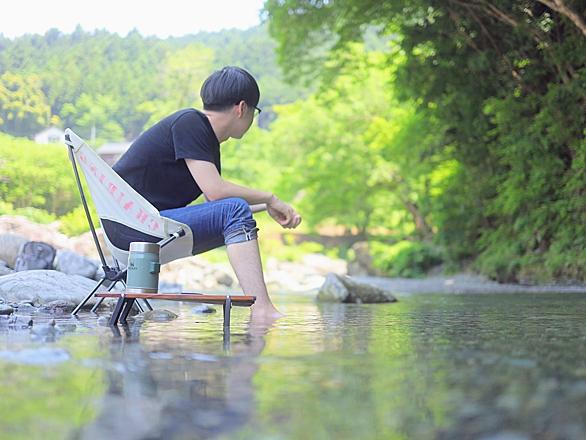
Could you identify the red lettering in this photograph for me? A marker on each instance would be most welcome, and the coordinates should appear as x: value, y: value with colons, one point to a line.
x: 120, y: 197
x: 128, y: 205
x: 142, y: 216
x: 112, y: 188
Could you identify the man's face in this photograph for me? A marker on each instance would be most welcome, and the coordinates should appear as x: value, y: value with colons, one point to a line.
x: 244, y: 115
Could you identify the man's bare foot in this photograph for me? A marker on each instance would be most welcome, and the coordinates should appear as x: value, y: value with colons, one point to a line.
x: 265, y: 311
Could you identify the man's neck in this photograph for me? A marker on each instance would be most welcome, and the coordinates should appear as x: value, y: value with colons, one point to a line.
x: 220, y: 123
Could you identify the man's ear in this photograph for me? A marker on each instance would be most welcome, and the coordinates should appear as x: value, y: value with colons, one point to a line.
x: 240, y: 109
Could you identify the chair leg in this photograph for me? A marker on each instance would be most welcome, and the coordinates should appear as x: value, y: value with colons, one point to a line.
x: 138, y: 307
x: 96, y: 305
x: 101, y: 300
x: 87, y: 298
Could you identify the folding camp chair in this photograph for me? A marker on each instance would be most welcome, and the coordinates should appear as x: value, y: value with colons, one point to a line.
x: 126, y: 216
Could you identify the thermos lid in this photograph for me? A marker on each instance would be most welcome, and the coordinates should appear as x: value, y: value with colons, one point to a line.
x: 141, y: 246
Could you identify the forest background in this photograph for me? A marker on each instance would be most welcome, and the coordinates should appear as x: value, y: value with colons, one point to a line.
x: 441, y: 133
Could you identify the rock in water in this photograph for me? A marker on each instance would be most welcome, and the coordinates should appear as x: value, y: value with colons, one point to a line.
x: 344, y: 289
x: 203, y: 308
x: 43, y: 286
x: 158, y: 315
x: 57, y: 307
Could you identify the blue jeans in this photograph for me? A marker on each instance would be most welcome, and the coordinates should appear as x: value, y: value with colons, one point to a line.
x: 216, y: 223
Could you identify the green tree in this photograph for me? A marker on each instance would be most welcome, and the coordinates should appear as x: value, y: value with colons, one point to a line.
x: 23, y: 106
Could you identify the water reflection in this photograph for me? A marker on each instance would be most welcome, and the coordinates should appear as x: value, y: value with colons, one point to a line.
x: 170, y: 387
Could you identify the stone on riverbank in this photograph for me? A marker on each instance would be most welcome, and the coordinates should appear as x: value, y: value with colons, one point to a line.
x: 344, y: 289
x: 10, y: 245
x: 43, y: 286
x: 71, y: 263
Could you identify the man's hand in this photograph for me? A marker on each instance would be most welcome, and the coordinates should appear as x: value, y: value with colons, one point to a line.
x: 283, y: 213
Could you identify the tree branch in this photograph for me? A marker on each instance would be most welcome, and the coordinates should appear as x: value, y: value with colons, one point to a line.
x: 562, y: 8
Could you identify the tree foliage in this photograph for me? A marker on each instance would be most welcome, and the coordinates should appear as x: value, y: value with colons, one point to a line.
x: 117, y: 86
x: 506, y: 82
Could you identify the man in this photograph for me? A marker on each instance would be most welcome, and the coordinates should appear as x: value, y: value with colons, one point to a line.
x: 178, y: 159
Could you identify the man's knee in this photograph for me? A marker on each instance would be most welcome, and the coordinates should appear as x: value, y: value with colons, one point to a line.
x: 239, y: 207
x: 239, y: 225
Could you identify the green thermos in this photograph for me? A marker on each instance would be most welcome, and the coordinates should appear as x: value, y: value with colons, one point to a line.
x: 143, y: 268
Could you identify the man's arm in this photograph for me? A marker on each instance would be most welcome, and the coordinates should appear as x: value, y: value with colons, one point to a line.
x: 214, y: 187
x: 259, y: 207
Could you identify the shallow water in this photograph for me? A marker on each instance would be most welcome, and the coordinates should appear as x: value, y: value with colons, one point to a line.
x: 429, y: 367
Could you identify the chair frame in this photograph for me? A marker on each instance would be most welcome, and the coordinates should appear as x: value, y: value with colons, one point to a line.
x: 111, y: 274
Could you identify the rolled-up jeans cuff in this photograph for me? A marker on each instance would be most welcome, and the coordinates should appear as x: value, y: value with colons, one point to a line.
x: 241, y: 234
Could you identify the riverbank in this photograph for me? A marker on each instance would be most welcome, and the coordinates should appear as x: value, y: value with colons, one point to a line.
x: 464, y: 283
x: 306, y: 275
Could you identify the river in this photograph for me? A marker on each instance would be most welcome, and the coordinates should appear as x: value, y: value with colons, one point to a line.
x: 432, y: 366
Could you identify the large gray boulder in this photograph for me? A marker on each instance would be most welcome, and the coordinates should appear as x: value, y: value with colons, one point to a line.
x: 44, y: 286
x: 73, y: 264
x: 10, y: 245
x: 343, y: 289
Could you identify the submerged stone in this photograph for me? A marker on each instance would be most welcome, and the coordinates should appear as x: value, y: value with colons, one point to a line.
x: 157, y: 315
x: 203, y: 308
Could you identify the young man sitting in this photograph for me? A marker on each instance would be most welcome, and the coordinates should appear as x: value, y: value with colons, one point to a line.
x: 178, y: 159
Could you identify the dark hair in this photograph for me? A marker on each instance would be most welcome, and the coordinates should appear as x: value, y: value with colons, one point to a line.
x: 227, y: 87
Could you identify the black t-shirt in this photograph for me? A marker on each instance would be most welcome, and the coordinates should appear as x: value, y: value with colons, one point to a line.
x: 154, y: 165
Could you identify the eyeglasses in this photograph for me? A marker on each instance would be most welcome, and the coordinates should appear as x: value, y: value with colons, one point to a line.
x: 257, y: 111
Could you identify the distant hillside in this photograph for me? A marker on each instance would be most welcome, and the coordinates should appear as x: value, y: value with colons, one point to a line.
x: 118, y: 84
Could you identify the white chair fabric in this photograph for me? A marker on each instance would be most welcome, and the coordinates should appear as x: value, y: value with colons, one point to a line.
x: 117, y: 201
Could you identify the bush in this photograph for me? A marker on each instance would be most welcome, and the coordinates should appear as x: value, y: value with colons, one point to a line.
x: 75, y: 222
x: 405, y: 259
x: 37, y: 176
x: 33, y: 214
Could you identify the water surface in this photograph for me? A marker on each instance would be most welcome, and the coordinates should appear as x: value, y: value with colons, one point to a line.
x: 429, y: 367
